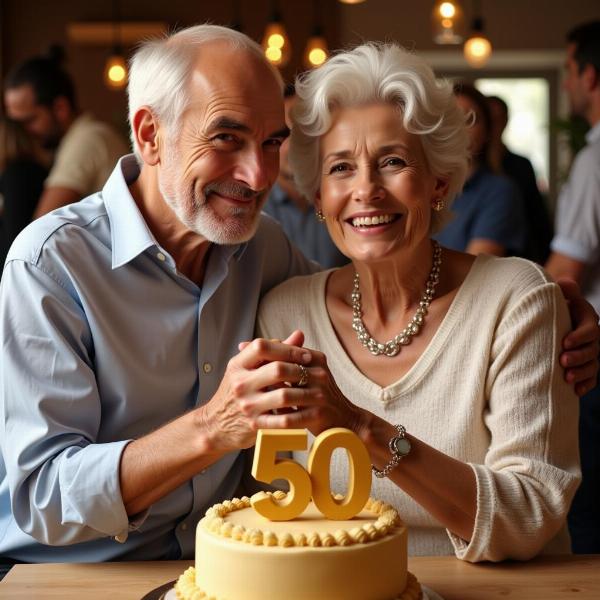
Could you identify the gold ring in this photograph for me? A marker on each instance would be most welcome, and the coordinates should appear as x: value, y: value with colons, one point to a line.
x: 303, y: 376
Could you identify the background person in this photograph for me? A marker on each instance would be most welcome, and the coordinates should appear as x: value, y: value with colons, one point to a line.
x: 466, y: 390
x: 487, y: 214
x: 22, y: 175
x: 40, y: 94
x: 295, y: 213
x: 576, y: 255
x: 520, y: 170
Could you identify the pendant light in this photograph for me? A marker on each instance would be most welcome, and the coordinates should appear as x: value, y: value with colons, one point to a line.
x: 316, y: 51
x: 447, y: 20
x: 477, y: 48
x: 275, y: 42
x: 115, y: 68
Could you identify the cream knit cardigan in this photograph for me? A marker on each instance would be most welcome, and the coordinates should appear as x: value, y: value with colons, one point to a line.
x: 488, y: 390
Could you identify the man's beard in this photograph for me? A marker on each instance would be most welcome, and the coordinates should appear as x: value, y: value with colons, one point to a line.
x: 193, y: 209
x: 51, y: 139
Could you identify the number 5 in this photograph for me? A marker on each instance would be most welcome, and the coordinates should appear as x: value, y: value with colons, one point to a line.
x: 315, y: 482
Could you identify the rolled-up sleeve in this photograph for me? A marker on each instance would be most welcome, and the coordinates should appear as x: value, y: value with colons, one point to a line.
x: 531, y: 470
x: 64, y: 485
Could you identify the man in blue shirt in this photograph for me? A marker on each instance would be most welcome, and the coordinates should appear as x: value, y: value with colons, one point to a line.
x: 123, y: 415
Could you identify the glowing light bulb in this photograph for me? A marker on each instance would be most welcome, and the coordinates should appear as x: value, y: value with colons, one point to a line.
x: 447, y: 20
x: 273, y: 54
x: 447, y: 10
x: 115, y: 72
x: 477, y: 50
x: 316, y: 51
x: 276, y: 40
x: 276, y: 44
x: 317, y: 56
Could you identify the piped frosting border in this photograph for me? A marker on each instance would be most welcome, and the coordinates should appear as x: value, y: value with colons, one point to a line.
x: 186, y: 588
x: 215, y: 522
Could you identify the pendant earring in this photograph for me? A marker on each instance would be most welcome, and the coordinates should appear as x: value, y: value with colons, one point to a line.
x: 320, y: 216
x: 438, y: 205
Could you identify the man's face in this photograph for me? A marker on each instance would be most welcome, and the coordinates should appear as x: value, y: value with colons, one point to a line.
x: 499, y: 121
x: 574, y: 84
x: 216, y: 173
x: 39, y: 121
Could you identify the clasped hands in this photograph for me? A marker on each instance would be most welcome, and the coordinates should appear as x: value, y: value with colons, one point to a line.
x: 259, y: 390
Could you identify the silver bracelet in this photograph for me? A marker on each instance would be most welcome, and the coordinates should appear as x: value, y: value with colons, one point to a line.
x: 399, y: 447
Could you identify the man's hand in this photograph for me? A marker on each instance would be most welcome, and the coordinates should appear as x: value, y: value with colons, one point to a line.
x: 254, y: 383
x: 581, y: 346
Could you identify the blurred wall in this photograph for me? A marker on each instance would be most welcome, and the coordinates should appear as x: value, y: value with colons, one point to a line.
x: 28, y: 27
x: 510, y: 24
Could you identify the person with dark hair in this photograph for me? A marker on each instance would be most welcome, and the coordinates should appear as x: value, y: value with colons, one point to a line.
x: 40, y: 95
x: 22, y: 174
x: 576, y: 255
x: 488, y: 216
x: 294, y: 212
x: 520, y: 170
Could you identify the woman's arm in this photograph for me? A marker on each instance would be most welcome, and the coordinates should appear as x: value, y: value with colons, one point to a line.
x: 516, y: 501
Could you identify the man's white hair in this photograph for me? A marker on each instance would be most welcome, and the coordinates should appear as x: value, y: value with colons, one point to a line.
x: 380, y: 73
x: 159, y: 71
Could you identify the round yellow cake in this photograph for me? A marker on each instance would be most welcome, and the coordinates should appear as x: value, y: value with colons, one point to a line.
x: 240, y: 555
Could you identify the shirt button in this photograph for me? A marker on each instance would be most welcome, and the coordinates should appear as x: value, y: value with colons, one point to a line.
x: 161, y: 256
x: 184, y: 527
x: 207, y: 368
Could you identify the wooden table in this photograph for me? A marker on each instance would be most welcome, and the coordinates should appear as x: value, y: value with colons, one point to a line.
x: 576, y: 577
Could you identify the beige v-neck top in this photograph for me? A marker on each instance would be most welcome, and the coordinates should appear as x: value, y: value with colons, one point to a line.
x: 488, y: 390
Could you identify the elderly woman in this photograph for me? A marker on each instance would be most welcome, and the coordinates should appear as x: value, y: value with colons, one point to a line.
x: 444, y: 364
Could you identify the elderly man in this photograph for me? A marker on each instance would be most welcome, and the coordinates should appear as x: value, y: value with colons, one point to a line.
x: 123, y: 415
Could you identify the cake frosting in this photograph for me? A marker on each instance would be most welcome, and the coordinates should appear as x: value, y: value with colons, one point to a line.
x: 240, y: 555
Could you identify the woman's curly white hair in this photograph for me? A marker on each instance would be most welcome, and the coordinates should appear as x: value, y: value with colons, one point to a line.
x: 381, y: 73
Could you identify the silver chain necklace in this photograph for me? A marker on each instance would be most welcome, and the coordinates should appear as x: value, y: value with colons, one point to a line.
x: 393, y: 346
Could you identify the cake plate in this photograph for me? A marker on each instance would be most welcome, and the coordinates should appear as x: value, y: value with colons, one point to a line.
x: 167, y: 592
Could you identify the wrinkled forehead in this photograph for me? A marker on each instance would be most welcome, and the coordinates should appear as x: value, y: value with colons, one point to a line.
x: 229, y: 79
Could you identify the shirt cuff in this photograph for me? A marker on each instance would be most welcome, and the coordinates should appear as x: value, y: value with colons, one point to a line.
x: 475, y: 549
x: 92, y: 488
x: 135, y: 522
x: 572, y: 249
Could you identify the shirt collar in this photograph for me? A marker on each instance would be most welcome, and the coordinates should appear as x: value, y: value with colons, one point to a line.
x: 593, y: 135
x: 130, y: 235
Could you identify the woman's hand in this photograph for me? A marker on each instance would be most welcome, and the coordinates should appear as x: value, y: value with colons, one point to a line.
x: 581, y: 346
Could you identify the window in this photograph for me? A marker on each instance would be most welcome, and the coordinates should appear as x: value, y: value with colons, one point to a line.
x: 527, y: 132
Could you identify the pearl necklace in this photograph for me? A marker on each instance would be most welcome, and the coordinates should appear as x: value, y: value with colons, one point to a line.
x: 393, y: 346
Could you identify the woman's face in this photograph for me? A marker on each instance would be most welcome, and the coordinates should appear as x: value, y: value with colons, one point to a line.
x: 477, y: 132
x: 376, y: 189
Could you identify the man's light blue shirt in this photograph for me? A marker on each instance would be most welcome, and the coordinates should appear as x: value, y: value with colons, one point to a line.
x: 104, y: 341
